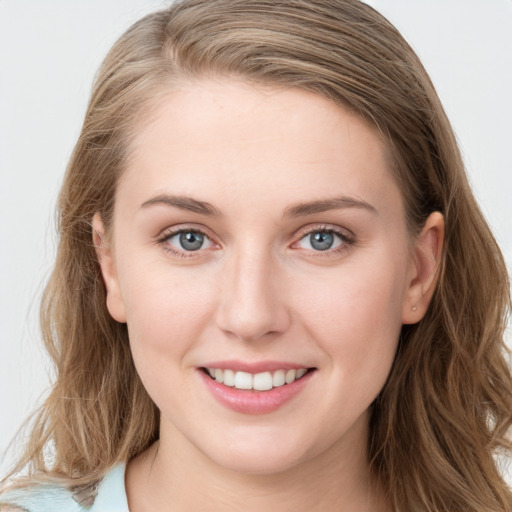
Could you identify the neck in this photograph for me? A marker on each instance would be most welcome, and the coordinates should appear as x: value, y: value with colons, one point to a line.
x: 174, y: 475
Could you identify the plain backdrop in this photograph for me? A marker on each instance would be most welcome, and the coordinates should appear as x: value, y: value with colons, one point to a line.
x: 49, y: 53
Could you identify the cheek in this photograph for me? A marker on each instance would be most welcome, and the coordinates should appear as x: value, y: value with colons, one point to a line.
x: 355, y: 316
x: 165, y: 310
x: 166, y: 313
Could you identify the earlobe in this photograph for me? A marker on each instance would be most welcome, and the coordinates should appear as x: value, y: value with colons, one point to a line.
x: 424, y: 266
x: 106, y: 260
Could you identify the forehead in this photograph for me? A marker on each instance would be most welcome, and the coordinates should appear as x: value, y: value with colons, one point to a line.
x: 212, y: 136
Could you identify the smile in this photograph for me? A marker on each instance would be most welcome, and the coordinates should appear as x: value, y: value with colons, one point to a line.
x: 261, y: 392
x: 264, y: 381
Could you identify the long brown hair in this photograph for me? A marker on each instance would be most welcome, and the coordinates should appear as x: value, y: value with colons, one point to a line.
x: 446, y: 408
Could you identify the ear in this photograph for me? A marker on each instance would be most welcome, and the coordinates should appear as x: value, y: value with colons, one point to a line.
x: 106, y: 260
x: 424, y: 266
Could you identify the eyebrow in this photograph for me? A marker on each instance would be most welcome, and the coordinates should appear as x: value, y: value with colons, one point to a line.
x: 299, y: 210
x: 183, y: 203
x: 336, y: 203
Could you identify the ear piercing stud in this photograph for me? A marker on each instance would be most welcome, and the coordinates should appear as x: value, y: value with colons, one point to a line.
x: 414, y: 308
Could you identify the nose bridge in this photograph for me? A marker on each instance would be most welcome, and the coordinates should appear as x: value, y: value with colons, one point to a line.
x: 251, y: 304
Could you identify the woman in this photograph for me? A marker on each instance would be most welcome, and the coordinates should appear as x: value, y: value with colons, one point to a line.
x: 273, y: 287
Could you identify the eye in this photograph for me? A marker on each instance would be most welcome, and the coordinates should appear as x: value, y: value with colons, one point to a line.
x: 322, y: 240
x: 188, y: 240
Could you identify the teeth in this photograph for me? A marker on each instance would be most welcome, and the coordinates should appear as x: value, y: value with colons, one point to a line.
x: 229, y: 377
x: 300, y: 373
x: 278, y: 379
x: 262, y: 381
x: 243, y: 380
x: 259, y: 381
x: 290, y: 376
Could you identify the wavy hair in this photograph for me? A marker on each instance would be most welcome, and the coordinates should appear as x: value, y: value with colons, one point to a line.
x: 446, y: 408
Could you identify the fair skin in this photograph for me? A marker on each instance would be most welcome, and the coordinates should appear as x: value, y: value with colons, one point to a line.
x: 301, y: 259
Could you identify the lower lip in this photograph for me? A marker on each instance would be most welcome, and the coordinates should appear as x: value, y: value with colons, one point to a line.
x: 254, y: 402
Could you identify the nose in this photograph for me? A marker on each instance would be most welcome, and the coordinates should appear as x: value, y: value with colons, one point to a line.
x: 252, y: 301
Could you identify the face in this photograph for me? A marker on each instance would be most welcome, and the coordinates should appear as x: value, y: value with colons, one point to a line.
x: 258, y: 235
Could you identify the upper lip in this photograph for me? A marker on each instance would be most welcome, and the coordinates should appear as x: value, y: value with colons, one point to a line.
x: 254, y: 367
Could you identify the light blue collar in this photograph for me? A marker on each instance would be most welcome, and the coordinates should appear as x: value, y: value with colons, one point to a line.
x: 111, y: 496
x: 112, y: 492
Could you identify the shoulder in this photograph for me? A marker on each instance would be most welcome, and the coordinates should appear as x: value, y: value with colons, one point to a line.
x: 39, y: 498
x: 109, y: 495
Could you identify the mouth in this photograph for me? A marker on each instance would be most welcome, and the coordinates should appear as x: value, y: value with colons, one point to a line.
x: 263, y: 381
x: 256, y: 388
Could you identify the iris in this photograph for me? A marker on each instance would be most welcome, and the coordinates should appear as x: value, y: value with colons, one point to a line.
x: 191, y: 240
x: 321, y: 240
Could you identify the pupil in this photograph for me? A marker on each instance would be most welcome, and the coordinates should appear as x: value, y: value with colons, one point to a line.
x: 191, y: 240
x: 321, y: 241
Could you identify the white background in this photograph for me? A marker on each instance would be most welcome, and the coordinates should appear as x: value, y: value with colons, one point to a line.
x: 49, y: 53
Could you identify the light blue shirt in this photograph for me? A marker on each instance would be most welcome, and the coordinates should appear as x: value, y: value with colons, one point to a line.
x: 111, y: 496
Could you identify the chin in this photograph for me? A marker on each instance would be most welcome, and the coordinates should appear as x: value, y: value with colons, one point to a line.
x: 258, y: 463
x: 270, y: 455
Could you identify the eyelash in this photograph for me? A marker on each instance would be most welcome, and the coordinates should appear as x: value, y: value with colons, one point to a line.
x: 167, y: 235
x: 347, y: 240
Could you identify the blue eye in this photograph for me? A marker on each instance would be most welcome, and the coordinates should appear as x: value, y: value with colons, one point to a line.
x: 189, y: 240
x: 321, y: 240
